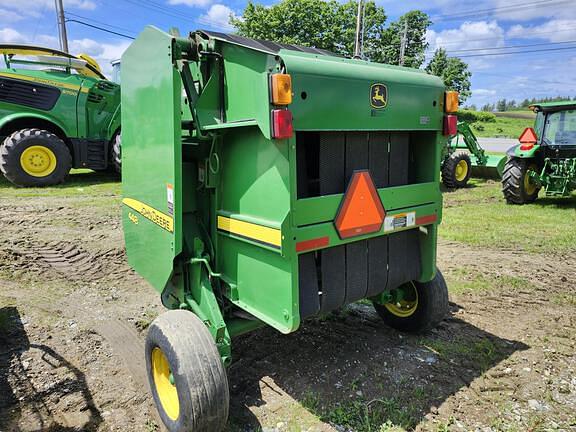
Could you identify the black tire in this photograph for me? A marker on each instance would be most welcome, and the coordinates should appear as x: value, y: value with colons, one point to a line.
x: 17, y: 143
x: 514, y: 181
x: 452, y: 177
x: 116, y: 153
x: 430, y: 310
x: 198, y: 374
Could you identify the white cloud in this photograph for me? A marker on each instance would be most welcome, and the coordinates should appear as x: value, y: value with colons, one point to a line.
x: 15, y: 10
x: 8, y: 35
x: 556, y: 30
x: 483, y: 92
x: 9, y: 16
x: 191, y: 3
x: 218, y: 16
x: 470, y: 35
x: 533, y: 10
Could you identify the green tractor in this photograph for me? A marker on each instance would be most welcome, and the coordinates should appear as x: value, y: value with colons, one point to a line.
x: 57, y: 112
x: 457, y: 165
x: 546, y: 156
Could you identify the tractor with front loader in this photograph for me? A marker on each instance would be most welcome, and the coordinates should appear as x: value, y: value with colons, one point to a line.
x: 287, y: 183
x: 57, y: 112
x: 457, y: 165
x: 546, y: 156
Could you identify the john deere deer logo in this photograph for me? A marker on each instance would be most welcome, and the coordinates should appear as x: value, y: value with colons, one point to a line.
x: 378, y: 96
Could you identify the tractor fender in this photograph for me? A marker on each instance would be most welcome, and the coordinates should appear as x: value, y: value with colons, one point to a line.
x: 517, y: 152
x: 27, y: 120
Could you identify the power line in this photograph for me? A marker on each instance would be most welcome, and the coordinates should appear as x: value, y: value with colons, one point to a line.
x: 99, y: 28
x: 516, y: 52
x: 508, y: 47
x: 100, y: 22
x: 510, y: 8
x: 533, y: 35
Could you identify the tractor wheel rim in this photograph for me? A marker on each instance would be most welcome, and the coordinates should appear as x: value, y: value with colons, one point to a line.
x: 407, y: 306
x: 38, y: 161
x: 461, y: 170
x: 529, y: 186
x: 164, y: 383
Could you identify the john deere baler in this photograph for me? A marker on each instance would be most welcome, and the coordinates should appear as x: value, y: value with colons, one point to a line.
x: 264, y: 184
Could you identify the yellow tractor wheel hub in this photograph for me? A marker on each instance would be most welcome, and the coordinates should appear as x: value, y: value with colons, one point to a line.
x: 164, y: 383
x: 407, y: 306
x: 529, y: 186
x: 461, y: 170
x: 38, y: 161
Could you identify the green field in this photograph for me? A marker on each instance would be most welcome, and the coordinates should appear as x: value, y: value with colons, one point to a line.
x: 505, y: 126
x: 479, y: 216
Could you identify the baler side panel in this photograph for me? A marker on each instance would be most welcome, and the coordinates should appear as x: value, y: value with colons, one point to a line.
x: 254, y: 202
x: 152, y: 157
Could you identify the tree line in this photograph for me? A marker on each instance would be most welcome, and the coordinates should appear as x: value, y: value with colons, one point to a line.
x: 511, y: 105
x: 331, y: 25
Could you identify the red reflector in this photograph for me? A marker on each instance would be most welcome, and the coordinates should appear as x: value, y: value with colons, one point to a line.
x: 361, y: 211
x: 527, y: 146
x: 426, y: 220
x: 282, y: 124
x: 316, y: 243
x: 528, y: 137
x: 450, y: 125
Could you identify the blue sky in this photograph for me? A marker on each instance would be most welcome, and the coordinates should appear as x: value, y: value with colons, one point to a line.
x: 464, y: 27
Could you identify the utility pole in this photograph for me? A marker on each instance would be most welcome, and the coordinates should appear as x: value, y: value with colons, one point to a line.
x: 403, y: 42
x: 61, y: 26
x: 358, y: 40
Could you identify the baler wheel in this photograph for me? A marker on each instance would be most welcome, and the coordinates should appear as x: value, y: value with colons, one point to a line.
x: 516, y: 184
x: 34, y: 157
x: 456, y: 170
x: 186, y: 374
x: 424, y: 305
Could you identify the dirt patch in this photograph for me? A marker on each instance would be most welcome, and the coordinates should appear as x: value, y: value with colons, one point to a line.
x: 73, y: 318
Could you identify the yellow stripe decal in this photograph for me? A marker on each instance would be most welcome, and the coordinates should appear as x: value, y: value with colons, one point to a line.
x: 259, y: 233
x: 150, y: 213
x: 41, y: 81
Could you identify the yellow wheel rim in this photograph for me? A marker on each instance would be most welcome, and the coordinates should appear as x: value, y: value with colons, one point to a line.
x: 408, y: 305
x: 164, y: 383
x: 38, y: 161
x: 461, y: 170
x: 529, y: 187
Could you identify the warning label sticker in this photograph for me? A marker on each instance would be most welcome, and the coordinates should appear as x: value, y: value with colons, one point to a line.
x: 401, y: 220
x: 170, y: 198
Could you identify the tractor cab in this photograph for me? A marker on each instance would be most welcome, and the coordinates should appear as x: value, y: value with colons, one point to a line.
x: 558, y: 129
x: 546, y: 156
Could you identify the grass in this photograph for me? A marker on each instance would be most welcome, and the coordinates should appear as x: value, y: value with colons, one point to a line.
x: 479, y: 216
x: 463, y: 279
x: 504, y: 127
x: 360, y: 415
x: 80, y: 183
x: 482, y: 353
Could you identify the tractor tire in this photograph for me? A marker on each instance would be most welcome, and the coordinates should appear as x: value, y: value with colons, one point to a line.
x: 456, y: 170
x: 516, y: 185
x: 186, y: 374
x: 424, y: 308
x: 35, y: 157
x: 116, y: 153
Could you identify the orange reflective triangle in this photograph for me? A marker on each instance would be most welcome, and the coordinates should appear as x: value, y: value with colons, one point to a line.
x: 528, y: 136
x: 361, y: 211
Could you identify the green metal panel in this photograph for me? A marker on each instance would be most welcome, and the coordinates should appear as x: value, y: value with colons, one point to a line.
x: 332, y: 93
x: 151, y: 154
